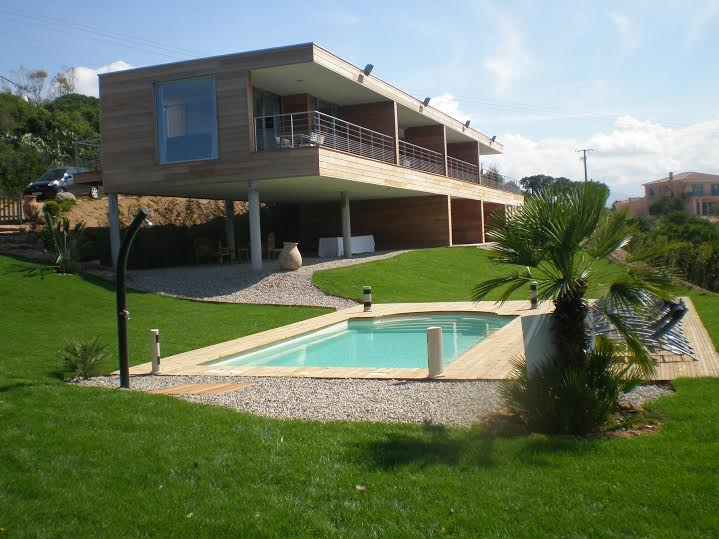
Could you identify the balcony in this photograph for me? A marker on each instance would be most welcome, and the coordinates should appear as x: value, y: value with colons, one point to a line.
x: 314, y: 128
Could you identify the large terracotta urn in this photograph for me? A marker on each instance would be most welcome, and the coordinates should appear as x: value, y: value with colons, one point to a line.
x: 290, y: 257
x: 31, y: 207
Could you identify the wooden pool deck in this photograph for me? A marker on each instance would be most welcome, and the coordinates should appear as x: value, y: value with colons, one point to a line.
x: 489, y: 360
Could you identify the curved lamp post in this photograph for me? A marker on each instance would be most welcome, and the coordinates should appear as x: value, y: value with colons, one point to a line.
x: 122, y: 313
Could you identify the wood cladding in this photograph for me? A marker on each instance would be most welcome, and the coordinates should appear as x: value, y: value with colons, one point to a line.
x: 431, y: 137
x: 378, y: 116
x: 340, y: 165
x: 130, y: 163
x: 466, y: 151
x: 492, y: 212
x: 394, y: 223
x: 127, y: 122
x: 467, y: 221
x: 296, y: 103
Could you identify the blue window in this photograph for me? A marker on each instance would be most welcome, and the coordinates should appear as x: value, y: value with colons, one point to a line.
x: 715, y: 189
x: 186, y: 120
x: 697, y: 189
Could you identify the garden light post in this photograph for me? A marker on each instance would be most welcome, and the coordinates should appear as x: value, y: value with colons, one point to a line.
x: 122, y: 313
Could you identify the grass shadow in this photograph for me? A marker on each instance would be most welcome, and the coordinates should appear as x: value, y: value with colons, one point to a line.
x: 476, y: 446
x: 433, y: 444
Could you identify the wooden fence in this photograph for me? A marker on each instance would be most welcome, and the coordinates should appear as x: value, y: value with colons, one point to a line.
x: 10, y: 210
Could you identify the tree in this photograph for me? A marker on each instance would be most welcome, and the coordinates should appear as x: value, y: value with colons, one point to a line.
x: 668, y: 204
x: 561, y: 242
x: 34, y: 138
x: 63, y: 83
x: 536, y: 183
x: 492, y: 174
x: 560, y: 185
x: 31, y: 84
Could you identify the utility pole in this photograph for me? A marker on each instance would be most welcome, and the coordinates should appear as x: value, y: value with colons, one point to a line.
x: 584, y: 158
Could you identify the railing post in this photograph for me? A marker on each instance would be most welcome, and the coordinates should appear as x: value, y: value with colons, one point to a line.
x: 292, y: 131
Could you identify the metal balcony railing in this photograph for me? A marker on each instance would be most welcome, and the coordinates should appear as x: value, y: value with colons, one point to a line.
x: 461, y: 170
x: 314, y: 128
x: 419, y: 158
x: 498, y: 181
x: 307, y: 129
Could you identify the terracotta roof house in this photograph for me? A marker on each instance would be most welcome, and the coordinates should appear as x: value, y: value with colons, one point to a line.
x: 699, y: 190
x: 298, y: 126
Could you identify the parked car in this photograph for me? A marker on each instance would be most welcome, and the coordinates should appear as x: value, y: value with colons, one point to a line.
x: 59, y: 180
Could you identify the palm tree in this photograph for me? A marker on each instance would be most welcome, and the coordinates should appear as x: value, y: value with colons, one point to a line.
x: 562, y: 241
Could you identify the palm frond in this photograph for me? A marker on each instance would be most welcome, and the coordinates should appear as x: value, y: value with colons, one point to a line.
x: 511, y: 282
x: 638, y: 354
x: 611, y: 233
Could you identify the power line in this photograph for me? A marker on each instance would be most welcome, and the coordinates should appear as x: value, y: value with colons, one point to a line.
x: 19, y: 86
x: 126, y: 40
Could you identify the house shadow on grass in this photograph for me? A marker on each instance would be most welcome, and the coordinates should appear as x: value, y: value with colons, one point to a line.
x: 486, y: 446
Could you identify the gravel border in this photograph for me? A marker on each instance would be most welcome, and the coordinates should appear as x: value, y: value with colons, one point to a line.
x: 457, y: 403
x: 237, y: 283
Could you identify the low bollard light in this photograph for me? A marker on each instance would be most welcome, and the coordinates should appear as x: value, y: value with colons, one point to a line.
x: 533, y: 294
x: 155, y: 350
x: 367, y: 290
x: 435, y: 363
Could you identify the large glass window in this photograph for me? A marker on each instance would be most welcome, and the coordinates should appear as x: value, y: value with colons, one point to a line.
x: 697, y: 189
x: 715, y: 189
x: 186, y: 119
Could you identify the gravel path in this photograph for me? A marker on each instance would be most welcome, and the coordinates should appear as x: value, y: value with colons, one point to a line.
x: 446, y: 403
x: 237, y: 283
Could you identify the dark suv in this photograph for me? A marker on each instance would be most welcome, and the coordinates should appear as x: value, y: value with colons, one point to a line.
x: 59, y: 180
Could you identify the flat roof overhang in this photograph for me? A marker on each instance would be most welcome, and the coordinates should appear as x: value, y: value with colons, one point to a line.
x: 326, y: 76
x: 297, y: 189
x: 326, y: 82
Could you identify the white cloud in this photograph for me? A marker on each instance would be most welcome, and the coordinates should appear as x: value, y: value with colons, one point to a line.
x: 509, y: 61
x: 448, y: 104
x: 627, y: 32
x: 86, y: 77
x: 631, y: 153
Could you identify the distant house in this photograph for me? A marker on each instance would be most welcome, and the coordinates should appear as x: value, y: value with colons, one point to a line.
x: 700, y: 193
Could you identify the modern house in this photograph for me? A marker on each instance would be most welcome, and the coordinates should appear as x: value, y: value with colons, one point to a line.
x: 698, y: 191
x: 298, y: 126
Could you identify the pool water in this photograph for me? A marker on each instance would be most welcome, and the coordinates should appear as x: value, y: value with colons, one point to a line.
x: 389, y: 342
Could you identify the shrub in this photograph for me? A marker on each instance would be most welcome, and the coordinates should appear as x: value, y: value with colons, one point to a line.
x: 59, y: 238
x: 60, y: 206
x: 573, y: 399
x: 65, y: 198
x: 83, y: 358
x: 52, y: 207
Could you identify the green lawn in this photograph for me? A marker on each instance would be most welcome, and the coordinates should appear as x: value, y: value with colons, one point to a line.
x: 441, y: 274
x: 91, y: 462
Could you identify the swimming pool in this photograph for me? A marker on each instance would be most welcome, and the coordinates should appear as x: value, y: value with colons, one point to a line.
x: 391, y: 341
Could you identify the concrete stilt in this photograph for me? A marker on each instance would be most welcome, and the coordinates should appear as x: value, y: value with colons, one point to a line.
x: 230, y: 224
x: 253, y: 199
x: 113, y: 214
x: 346, y: 226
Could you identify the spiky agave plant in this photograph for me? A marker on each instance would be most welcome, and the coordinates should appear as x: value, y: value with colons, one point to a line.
x: 60, y: 240
x: 562, y: 241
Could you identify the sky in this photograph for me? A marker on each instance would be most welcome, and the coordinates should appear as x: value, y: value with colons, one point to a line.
x: 638, y: 82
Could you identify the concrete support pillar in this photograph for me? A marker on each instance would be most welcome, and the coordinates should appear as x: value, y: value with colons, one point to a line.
x: 450, y: 239
x: 230, y: 224
x: 113, y: 214
x: 346, y: 226
x: 481, y: 210
x: 253, y: 199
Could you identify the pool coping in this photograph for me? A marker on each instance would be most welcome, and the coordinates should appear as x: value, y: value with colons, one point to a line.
x: 490, y: 359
